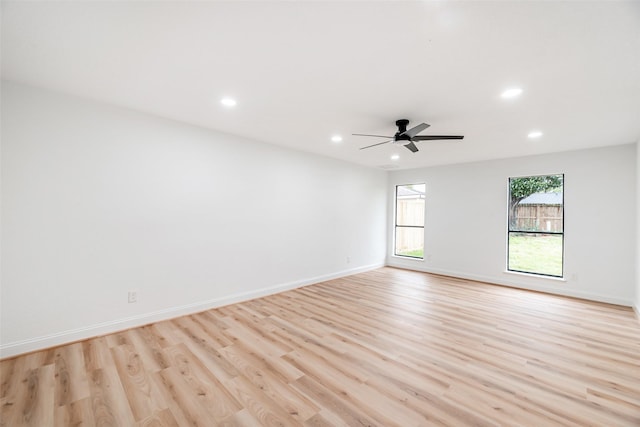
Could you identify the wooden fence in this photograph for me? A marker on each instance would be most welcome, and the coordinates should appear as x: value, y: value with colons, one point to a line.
x: 539, y: 218
x: 410, y: 211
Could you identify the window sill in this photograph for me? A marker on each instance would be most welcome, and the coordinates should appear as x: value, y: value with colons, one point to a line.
x: 407, y: 257
x: 536, y: 276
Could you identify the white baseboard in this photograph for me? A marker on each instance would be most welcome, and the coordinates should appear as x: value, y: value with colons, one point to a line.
x: 521, y: 283
x: 64, y: 337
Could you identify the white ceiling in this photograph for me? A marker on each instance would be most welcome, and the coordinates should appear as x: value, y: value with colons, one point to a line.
x: 303, y: 71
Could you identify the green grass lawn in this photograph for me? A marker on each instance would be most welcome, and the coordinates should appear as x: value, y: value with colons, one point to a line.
x: 418, y: 253
x: 540, y: 254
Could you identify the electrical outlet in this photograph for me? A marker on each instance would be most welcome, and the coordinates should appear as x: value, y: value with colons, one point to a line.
x: 348, y: 259
x: 133, y: 296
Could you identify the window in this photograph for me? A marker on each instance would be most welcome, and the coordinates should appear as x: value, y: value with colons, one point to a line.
x: 536, y: 225
x: 409, y: 232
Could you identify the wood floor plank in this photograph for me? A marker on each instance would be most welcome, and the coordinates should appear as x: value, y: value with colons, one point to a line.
x: 241, y: 418
x: 206, y: 352
x: 143, y: 399
x: 217, y: 402
x: 337, y: 404
x: 34, y: 401
x: 186, y: 405
x: 264, y: 409
x: 108, y: 398
x: 272, y: 385
x: 77, y: 414
x: 179, y: 413
x: 163, y: 418
x: 71, y: 379
x: 149, y: 347
x: 388, y: 347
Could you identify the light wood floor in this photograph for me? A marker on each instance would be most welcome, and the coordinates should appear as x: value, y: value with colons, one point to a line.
x: 387, y: 348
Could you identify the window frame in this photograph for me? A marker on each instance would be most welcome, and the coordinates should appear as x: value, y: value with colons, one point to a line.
x: 562, y: 233
x: 395, y: 221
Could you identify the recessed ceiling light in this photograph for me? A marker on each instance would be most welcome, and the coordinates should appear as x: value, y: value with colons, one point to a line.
x: 228, y: 102
x: 511, y: 92
x: 336, y: 138
x: 535, y: 134
x: 395, y: 157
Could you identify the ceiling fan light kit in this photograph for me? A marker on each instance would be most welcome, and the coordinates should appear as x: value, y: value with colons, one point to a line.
x: 408, y: 137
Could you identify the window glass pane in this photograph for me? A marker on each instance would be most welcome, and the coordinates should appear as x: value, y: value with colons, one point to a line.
x: 410, y: 241
x: 536, y: 225
x: 536, y: 203
x: 410, y: 204
x: 536, y: 253
x: 409, y: 232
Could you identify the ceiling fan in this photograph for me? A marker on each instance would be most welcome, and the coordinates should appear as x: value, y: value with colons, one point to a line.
x: 408, y: 137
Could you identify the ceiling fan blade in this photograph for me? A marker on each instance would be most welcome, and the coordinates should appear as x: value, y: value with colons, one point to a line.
x: 379, y: 143
x: 412, y: 147
x: 415, y: 130
x: 364, y: 134
x: 436, y: 137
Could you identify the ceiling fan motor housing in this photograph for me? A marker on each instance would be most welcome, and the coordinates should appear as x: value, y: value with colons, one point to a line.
x: 402, y: 125
x: 402, y: 128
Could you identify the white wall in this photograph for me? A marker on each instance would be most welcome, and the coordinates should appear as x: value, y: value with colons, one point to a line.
x: 637, y: 301
x: 466, y: 221
x: 98, y: 200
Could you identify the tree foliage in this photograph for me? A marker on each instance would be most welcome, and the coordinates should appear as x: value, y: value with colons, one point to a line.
x: 521, y: 188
